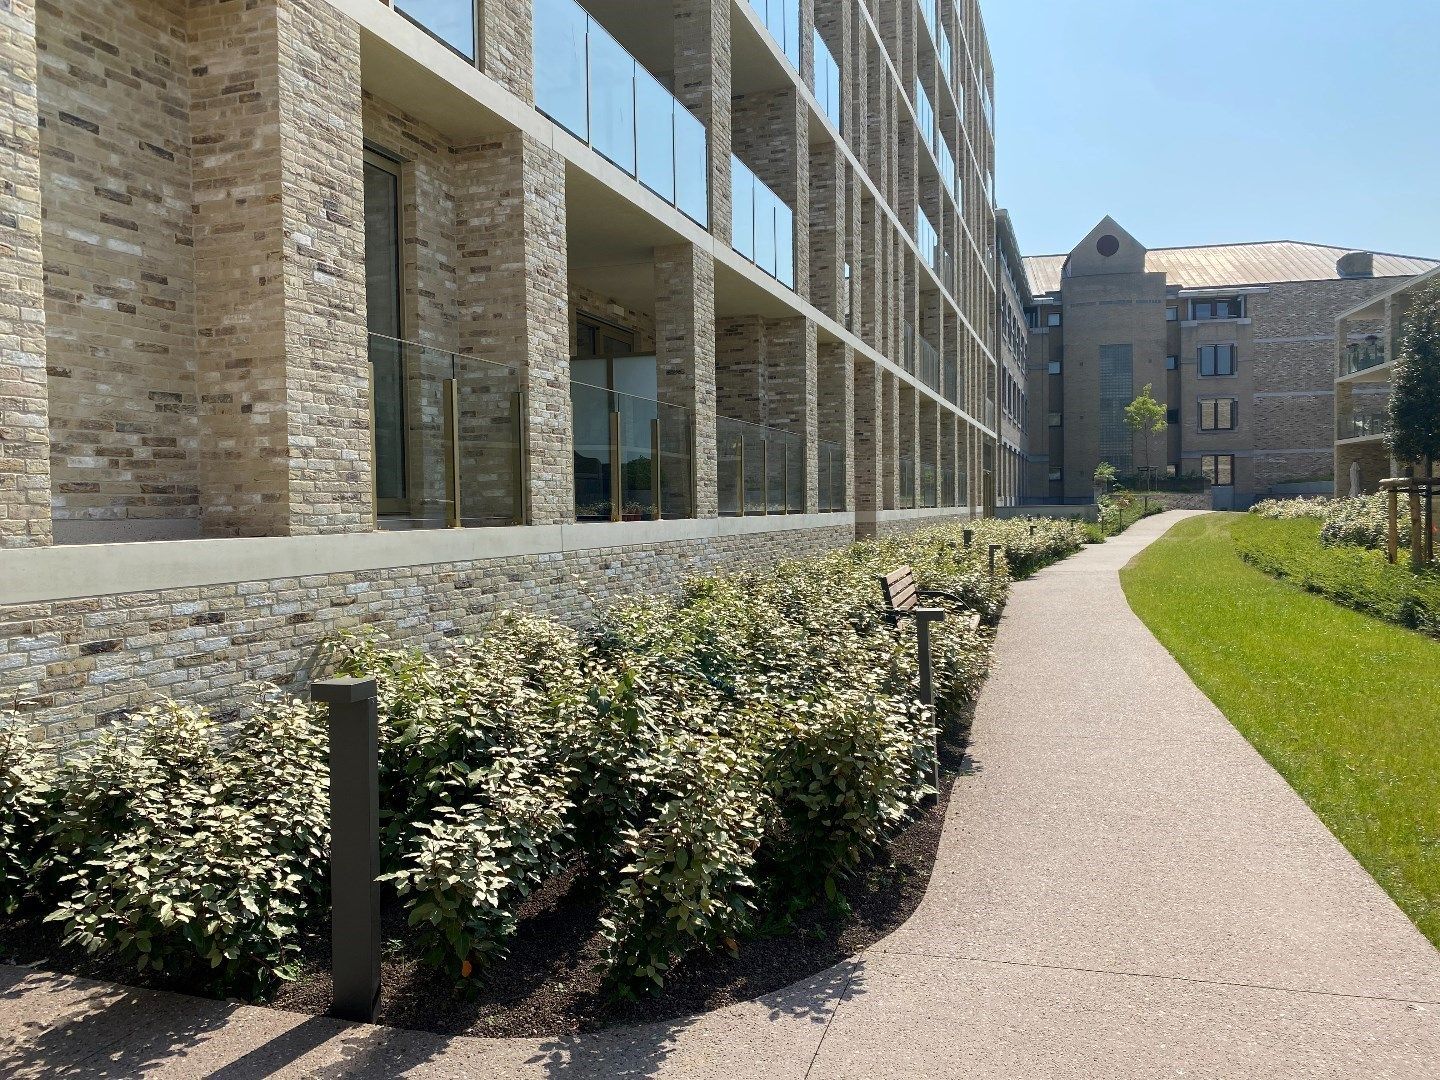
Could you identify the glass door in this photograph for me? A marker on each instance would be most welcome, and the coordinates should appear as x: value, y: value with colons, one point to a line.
x: 383, y: 298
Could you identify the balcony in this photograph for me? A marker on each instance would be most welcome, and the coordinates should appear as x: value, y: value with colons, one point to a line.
x: 447, y: 437
x: 1362, y: 355
x: 827, y: 83
x: 587, y: 83
x: 928, y: 241
x: 1362, y: 422
x: 831, y: 458
x: 929, y: 486
x: 451, y: 21
x: 759, y: 470
x: 905, y: 499
x: 782, y: 19
x: 762, y: 226
x: 633, y: 456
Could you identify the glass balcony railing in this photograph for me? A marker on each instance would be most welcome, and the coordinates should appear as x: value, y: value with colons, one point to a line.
x: 831, y: 458
x: 927, y: 367
x: 762, y: 226
x: 1362, y: 355
x: 905, y: 497
x: 633, y: 457
x: 925, y: 116
x: 1362, y: 421
x: 782, y: 19
x: 947, y: 482
x: 929, y: 486
x: 927, y: 240
x: 447, y: 438
x: 452, y: 21
x: 759, y: 470
x: 949, y: 172
x: 588, y: 84
x: 827, y: 83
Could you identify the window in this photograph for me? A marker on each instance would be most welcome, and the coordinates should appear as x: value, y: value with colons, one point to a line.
x: 1201, y: 310
x: 1217, y: 414
x: 1172, y: 416
x: 1172, y: 469
x: 1219, y: 469
x: 1056, y: 419
x: 1052, y: 319
x: 1171, y: 363
x: 1217, y: 360
x: 1117, y: 390
x: 384, y: 291
x: 1053, y: 367
x: 1056, y: 476
x: 1172, y: 313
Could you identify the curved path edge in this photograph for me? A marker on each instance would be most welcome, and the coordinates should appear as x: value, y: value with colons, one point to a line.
x: 1124, y: 888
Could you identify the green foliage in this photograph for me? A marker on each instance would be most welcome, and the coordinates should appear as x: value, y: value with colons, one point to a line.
x: 190, y: 855
x: 1415, y: 386
x: 1357, y: 578
x: 27, y: 778
x: 1145, y: 417
x: 1358, y: 522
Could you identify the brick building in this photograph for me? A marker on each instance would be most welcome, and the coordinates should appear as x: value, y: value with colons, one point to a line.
x: 1013, y: 298
x: 328, y: 312
x: 1237, y: 340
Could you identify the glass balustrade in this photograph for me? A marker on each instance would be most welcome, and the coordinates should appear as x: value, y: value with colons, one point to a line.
x: 929, y: 486
x: 762, y: 226
x: 760, y: 470
x: 447, y: 438
x: 633, y: 457
x: 782, y: 19
x: 452, y: 21
x: 1362, y: 421
x: 1362, y: 355
x: 831, y: 463
x: 947, y: 482
x: 591, y: 86
x: 925, y: 116
x: 827, y: 82
x: 927, y: 240
x: 928, y: 364
x: 905, y: 498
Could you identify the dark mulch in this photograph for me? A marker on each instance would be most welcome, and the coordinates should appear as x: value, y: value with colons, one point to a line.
x: 549, y: 986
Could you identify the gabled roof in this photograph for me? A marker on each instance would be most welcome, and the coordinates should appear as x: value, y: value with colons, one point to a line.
x: 1220, y: 265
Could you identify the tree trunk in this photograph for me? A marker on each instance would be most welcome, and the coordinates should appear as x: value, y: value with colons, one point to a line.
x: 1417, y: 539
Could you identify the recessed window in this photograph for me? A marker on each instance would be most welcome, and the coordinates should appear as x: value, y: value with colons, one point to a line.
x: 1216, y: 360
x: 1107, y: 245
x: 1053, y: 367
x: 1217, y: 414
x: 1172, y: 416
x: 1172, y: 469
x: 1055, y: 419
x: 1172, y: 314
x: 1202, y: 310
x: 1056, y: 476
x: 1171, y: 363
x: 1052, y: 319
x: 1219, y: 469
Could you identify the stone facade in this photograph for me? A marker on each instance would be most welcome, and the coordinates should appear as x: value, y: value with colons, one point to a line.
x: 186, y: 249
x: 1277, y: 404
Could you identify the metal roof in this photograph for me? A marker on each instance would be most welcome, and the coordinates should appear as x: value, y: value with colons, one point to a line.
x: 1220, y: 265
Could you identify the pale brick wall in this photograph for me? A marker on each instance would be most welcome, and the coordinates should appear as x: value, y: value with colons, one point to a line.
x: 24, y: 437
x: 685, y: 355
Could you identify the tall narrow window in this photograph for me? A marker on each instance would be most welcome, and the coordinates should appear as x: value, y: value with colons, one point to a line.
x: 383, y: 296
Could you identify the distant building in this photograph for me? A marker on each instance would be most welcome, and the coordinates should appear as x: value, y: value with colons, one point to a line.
x: 1238, y: 340
x: 1012, y: 297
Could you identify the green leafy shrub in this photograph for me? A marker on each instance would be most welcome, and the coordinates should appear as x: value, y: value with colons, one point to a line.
x: 1356, y: 577
x: 191, y: 856
x: 1363, y: 521
x: 27, y: 779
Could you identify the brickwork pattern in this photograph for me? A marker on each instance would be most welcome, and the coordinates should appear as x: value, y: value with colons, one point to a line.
x: 685, y: 354
x: 71, y: 665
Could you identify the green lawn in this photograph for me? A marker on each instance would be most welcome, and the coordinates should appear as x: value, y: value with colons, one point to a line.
x: 1345, y: 706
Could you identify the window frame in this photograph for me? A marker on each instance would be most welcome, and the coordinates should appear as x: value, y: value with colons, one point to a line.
x: 1210, y: 468
x: 1214, y: 414
x: 1232, y: 351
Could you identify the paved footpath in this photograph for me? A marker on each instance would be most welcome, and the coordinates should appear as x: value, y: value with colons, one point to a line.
x: 1124, y: 889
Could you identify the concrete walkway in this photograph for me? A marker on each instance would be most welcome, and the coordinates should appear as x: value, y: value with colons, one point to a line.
x: 1124, y: 889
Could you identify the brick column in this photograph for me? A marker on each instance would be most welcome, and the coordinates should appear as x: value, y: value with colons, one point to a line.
x: 685, y: 354
x: 948, y: 458
x: 791, y: 389
x: 283, y: 372
x: 928, y: 441
x: 828, y: 230
x: 868, y: 293
x: 867, y: 482
x: 507, y: 35
x: 909, y: 427
x: 772, y: 136
x: 702, y: 85
x: 890, y: 413
x: 513, y: 298
x: 836, y: 396
x: 24, y: 402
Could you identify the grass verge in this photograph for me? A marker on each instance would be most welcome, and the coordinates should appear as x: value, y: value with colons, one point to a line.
x: 1341, y: 704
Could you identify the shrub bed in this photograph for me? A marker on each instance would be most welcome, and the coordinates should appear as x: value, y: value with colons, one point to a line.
x: 1359, y: 578
x: 712, y: 760
x: 1363, y: 521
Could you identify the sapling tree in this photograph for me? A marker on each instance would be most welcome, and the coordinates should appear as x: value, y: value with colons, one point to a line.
x: 1415, y: 395
x: 1145, y: 417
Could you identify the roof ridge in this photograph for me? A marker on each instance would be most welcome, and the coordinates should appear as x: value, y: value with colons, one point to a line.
x: 1264, y: 243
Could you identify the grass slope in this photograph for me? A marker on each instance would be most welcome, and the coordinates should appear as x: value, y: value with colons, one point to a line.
x: 1344, y: 706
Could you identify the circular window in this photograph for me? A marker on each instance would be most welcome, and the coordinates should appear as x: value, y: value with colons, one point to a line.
x: 1107, y: 245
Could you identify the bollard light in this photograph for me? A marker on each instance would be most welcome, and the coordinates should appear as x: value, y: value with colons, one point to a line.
x: 354, y: 844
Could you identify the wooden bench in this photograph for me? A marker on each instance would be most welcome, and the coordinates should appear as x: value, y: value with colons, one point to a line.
x: 902, y: 601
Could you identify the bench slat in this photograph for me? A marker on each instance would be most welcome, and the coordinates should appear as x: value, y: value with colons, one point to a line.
x: 895, y: 577
x: 905, y: 599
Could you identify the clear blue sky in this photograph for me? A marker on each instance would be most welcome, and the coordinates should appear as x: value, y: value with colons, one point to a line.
x: 1220, y: 121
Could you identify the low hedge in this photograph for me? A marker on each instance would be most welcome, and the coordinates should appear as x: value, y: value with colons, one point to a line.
x: 1359, y: 578
x: 712, y: 759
